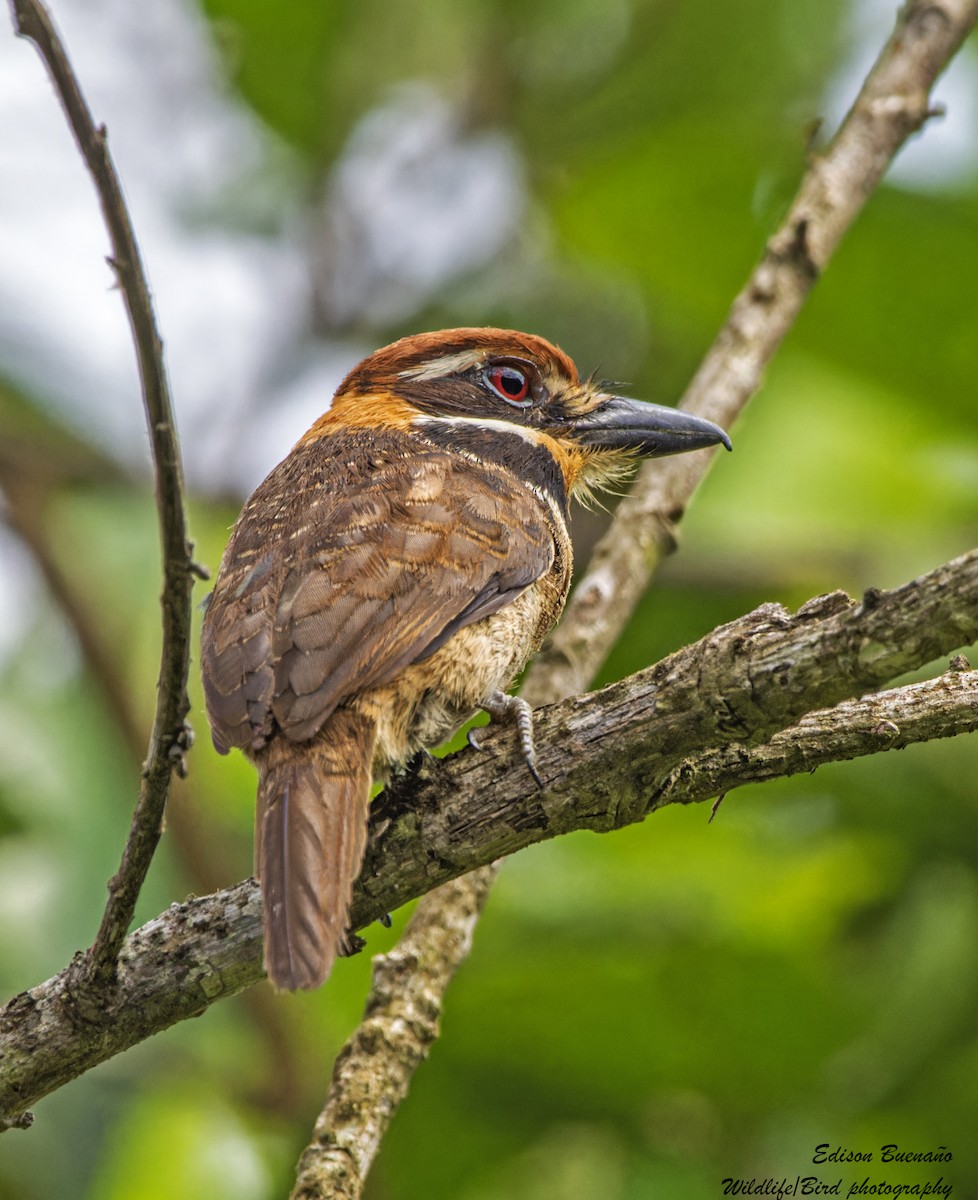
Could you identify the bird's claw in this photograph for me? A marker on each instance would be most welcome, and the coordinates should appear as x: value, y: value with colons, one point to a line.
x: 350, y: 943
x: 516, y: 711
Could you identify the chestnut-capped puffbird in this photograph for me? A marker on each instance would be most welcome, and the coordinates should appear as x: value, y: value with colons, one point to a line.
x: 390, y: 578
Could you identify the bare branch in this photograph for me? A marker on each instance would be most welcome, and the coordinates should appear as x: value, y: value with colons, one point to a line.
x: 619, y: 747
x: 170, y: 736
x: 171, y: 968
x: 891, y: 720
x: 893, y: 104
x: 673, y: 733
x: 376, y: 1065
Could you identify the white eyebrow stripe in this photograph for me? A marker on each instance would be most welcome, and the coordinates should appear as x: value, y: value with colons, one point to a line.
x: 528, y: 435
x: 448, y: 364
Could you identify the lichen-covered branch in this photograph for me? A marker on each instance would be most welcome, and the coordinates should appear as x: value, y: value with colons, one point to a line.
x: 374, y: 1068
x: 170, y: 734
x: 692, y: 725
x: 890, y: 720
x: 171, y: 968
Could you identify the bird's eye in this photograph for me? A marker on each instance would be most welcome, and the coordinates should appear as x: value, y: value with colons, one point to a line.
x: 512, y: 384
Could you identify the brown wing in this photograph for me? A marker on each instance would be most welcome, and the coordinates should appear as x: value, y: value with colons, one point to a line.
x: 359, y: 555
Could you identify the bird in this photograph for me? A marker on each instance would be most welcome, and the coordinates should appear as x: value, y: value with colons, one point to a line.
x: 389, y: 579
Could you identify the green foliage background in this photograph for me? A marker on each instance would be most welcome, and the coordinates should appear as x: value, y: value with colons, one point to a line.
x: 646, y: 1013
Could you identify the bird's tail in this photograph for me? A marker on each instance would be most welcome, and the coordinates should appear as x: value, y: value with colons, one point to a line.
x: 310, y: 834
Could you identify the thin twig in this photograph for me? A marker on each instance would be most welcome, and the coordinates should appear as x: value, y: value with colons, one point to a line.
x: 170, y: 736
x: 893, y: 103
x: 735, y: 708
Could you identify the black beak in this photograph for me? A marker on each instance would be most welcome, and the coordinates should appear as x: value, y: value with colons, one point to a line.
x: 651, y: 429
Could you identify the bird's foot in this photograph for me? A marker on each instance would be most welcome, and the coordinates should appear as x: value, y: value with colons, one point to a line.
x: 349, y: 944
x: 420, y: 762
x: 513, y: 709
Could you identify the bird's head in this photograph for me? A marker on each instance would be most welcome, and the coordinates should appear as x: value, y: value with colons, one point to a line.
x: 472, y: 387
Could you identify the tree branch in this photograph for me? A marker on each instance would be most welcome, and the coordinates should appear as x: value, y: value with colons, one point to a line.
x: 891, y: 720
x: 674, y: 733
x: 893, y: 103
x: 401, y: 1022
x: 171, y: 736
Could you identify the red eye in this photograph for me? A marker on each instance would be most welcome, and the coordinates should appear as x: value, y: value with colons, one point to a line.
x: 511, y: 383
